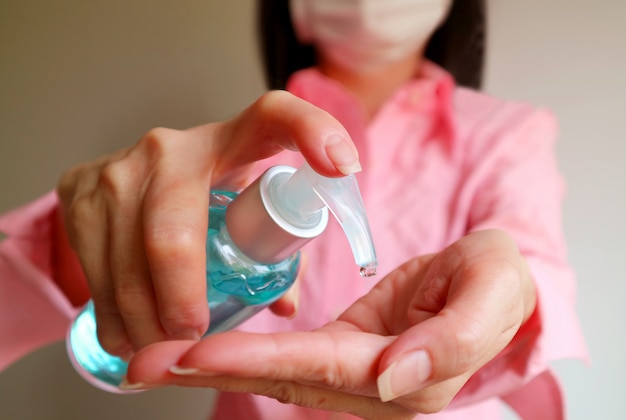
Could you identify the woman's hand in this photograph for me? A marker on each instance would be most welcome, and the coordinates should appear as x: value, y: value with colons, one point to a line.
x: 137, y: 219
x: 407, y: 347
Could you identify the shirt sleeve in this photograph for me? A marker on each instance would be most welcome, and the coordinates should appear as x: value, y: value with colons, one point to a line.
x: 34, y: 312
x: 516, y: 186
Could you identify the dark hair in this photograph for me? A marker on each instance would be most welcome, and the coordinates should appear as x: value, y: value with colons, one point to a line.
x: 458, y: 45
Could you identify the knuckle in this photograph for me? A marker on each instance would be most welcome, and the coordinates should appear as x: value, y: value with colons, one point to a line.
x: 274, y: 104
x: 272, y: 100
x: 467, y: 346
x: 286, y: 393
x: 115, y: 179
x: 331, y: 373
x: 173, y: 244
x: 156, y: 141
x: 467, y: 341
x: 332, y: 377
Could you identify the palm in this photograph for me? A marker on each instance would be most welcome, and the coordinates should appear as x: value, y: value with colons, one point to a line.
x: 462, y: 305
x: 324, y: 360
x: 385, y: 309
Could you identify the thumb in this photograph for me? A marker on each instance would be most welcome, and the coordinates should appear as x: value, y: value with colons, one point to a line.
x: 466, y: 311
x: 279, y: 120
x: 434, y: 351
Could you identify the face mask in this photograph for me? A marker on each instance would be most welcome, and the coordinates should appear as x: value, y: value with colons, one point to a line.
x: 363, y: 35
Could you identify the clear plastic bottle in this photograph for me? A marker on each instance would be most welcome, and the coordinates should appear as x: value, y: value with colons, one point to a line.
x: 252, y: 255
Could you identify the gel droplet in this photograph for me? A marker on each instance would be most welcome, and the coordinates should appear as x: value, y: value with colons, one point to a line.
x: 368, y: 271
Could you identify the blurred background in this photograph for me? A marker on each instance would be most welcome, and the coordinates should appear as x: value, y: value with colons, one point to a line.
x: 80, y: 79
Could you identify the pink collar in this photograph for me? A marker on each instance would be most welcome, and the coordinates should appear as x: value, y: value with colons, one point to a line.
x: 432, y: 87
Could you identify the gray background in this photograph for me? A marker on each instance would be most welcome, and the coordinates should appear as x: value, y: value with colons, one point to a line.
x: 79, y: 79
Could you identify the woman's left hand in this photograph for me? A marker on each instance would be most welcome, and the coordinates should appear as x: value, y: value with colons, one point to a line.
x: 406, y: 347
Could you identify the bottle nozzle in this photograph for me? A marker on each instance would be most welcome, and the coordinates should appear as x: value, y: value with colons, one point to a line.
x: 285, y: 208
x: 343, y: 199
x: 368, y: 271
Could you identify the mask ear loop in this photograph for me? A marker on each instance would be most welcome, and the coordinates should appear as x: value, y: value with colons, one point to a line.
x: 298, y: 10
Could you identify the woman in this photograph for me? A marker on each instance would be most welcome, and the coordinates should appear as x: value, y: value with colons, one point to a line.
x: 441, y: 164
x: 464, y: 200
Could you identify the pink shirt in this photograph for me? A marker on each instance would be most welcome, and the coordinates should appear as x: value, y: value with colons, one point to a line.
x: 439, y: 161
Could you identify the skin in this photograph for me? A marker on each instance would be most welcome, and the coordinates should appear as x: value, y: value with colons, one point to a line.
x: 459, y: 307
x: 372, y: 89
x: 138, y: 220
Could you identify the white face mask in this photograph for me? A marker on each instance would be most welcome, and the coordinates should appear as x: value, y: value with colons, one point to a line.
x: 364, y: 35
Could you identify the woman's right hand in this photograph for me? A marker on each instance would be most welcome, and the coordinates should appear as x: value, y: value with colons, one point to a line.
x: 137, y: 218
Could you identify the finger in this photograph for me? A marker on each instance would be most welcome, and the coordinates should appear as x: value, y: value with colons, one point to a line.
x: 134, y: 293
x: 86, y: 223
x: 287, y: 305
x: 175, y: 221
x: 311, y: 396
x: 475, y: 311
x: 303, y: 395
x: 433, y: 398
x: 130, y: 275
x: 325, y: 358
x: 151, y: 367
x: 280, y: 120
x: 276, y: 121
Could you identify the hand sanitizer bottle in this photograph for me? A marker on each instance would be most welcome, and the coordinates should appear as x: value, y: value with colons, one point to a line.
x: 252, y: 254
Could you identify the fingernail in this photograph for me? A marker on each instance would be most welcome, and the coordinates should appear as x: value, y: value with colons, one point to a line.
x: 187, y: 334
x: 405, y: 375
x: 127, y: 386
x: 178, y: 370
x: 344, y: 157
